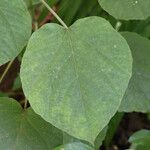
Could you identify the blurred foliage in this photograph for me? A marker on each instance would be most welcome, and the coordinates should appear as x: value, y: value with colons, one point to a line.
x: 140, y: 140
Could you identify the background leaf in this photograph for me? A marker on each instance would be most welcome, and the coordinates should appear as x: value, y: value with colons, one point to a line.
x: 70, y: 10
x: 137, y: 96
x: 111, y: 129
x: 127, y: 9
x: 15, y: 28
x: 100, y: 138
x: 25, y: 130
x: 140, y: 140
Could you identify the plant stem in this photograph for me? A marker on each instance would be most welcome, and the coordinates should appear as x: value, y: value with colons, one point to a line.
x: 36, y: 25
x: 6, y: 70
x: 118, y: 25
x: 53, y: 12
x: 25, y: 103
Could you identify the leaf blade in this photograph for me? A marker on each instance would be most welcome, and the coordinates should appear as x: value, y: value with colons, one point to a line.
x: 74, y: 72
x: 137, y: 95
x: 25, y: 130
x: 127, y: 10
x: 15, y: 29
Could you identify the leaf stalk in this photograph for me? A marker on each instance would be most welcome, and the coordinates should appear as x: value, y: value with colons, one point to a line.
x: 6, y: 70
x: 54, y: 13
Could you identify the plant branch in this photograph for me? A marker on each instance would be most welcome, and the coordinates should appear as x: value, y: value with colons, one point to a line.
x: 35, y: 25
x: 6, y: 70
x: 25, y: 103
x: 53, y: 12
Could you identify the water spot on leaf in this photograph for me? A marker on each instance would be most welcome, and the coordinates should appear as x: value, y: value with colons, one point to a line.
x: 135, y: 2
x: 115, y: 46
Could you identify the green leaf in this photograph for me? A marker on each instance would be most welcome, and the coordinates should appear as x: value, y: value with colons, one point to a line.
x: 29, y: 3
x: 140, y: 140
x: 25, y: 130
x: 99, y: 140
x: 17, y: 83
x: 112, y: 128
x: 97, y: 143
x: 3, y: 94
x: 137, y: 96
x: 15, y: 28
x: 75, y: 146
x: 127, y: 9
x: 75, y: 74
x: 79, y: 9
x: 69, y: 139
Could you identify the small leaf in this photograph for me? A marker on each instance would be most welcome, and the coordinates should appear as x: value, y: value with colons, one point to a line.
x: 140, y: 140
x: 112, y: 128
x: 25, y: 130
x: 75, y: 146
x: 99, y: 140
x: 127, y: 9
x: 15, y: 28
x: 78, y: 75
x: 137, y: 96
x: 17, y: 83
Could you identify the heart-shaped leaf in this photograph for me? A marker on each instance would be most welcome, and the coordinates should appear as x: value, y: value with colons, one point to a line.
x: 25, y: 130
x: 15, y: 28
x: 78, y: 75
x: 137, y: 96
x: 127, y: 9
